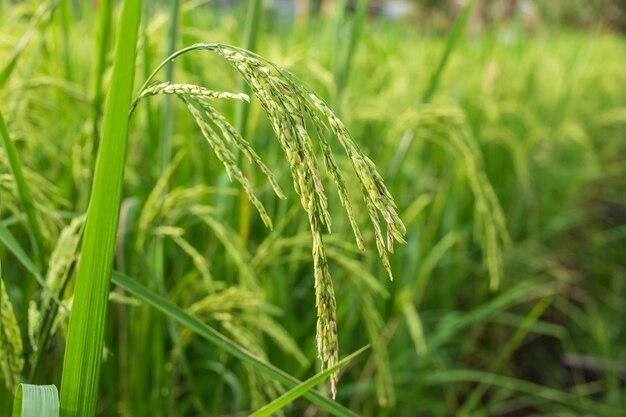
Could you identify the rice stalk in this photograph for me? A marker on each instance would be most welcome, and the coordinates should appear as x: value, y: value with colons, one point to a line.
x: 253, y: 17
x: 433, y: 83
x: 11, y: 349
x: 298, y: 391
x: 152, y: 206
x: 166, y: 112
x: 218, y: 339
x: 105, y: 13
x: 288, y: 104
x: 242, y: 111
x: 344, y: 67
x: 40, y: 22
x: 448, y: 129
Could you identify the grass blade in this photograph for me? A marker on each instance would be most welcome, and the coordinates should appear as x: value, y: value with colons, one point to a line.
x: 167, y: 112
x: 7, y: 238
x: 345, y: 66
x: 40, y: 21
x: 301, y: 389
x: 579, y: 403
x: 102, y: 47
x: 83, y: 355
x: 157, y: 330
x: 36, y: 401
x: 136, y: 289
x: 252, y: 24
x: 453, y: 40
x: 433, y: 84
x: 22, y: 188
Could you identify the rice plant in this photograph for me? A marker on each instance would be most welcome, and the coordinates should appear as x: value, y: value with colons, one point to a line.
x: 287, y: 103
x: 502, y: 147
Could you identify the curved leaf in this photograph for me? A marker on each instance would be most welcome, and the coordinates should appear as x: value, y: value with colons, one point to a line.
x: 36, y: 401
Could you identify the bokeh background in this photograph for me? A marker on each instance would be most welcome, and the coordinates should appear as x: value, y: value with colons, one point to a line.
x: 499, y: 127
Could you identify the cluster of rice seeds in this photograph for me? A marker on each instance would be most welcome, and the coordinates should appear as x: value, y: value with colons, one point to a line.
x: 222, y: 152
x: 197, y: 99
x: 281, y: 94
x: 377, y: 197
x: 64, y: 253
x: 288, y: 103
x: 11, y: 358
x: 186, y: 90
x: 284, y: 109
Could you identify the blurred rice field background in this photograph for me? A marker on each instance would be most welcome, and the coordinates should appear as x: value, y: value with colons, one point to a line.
x: 499, y: 128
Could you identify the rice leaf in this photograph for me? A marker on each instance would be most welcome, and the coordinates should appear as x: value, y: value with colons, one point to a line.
x: 22, y: 188
x: 36, y: 401
x: 287, y: 103
x: 83, y: 354
x: 218, y: 339
x: 9, y: 241
x: 40, y: 22
x: 301, y: 389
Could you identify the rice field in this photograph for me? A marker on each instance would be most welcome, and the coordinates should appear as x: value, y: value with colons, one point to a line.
x: 214, y: 234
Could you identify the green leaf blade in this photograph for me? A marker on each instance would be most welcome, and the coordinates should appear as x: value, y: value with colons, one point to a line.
x: 136, y: 289
x: 83, y: 355
x: 301, y: 389
x: 36, y: 401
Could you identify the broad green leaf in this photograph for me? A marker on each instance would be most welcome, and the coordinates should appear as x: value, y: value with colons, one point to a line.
x: 36, y: 401
x: 301, y: 389
x: 85, y: 340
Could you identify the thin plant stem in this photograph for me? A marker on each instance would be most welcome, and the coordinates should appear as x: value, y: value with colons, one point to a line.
x: 433, y: 85
x: 243, y: 110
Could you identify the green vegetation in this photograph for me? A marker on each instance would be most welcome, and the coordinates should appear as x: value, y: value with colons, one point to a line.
x: 504, y: 152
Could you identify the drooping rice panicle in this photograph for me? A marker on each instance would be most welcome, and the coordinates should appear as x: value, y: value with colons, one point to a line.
x: 224, y: 155
x: 288, y: 104
x: 11, y: 349
x: 232, y: 136
x: 185, y: 90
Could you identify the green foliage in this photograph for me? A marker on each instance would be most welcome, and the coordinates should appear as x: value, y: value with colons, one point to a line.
x: 301, y: 389
x: 85, y: 339
x: 513, y: 179
x: 36, y: 401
